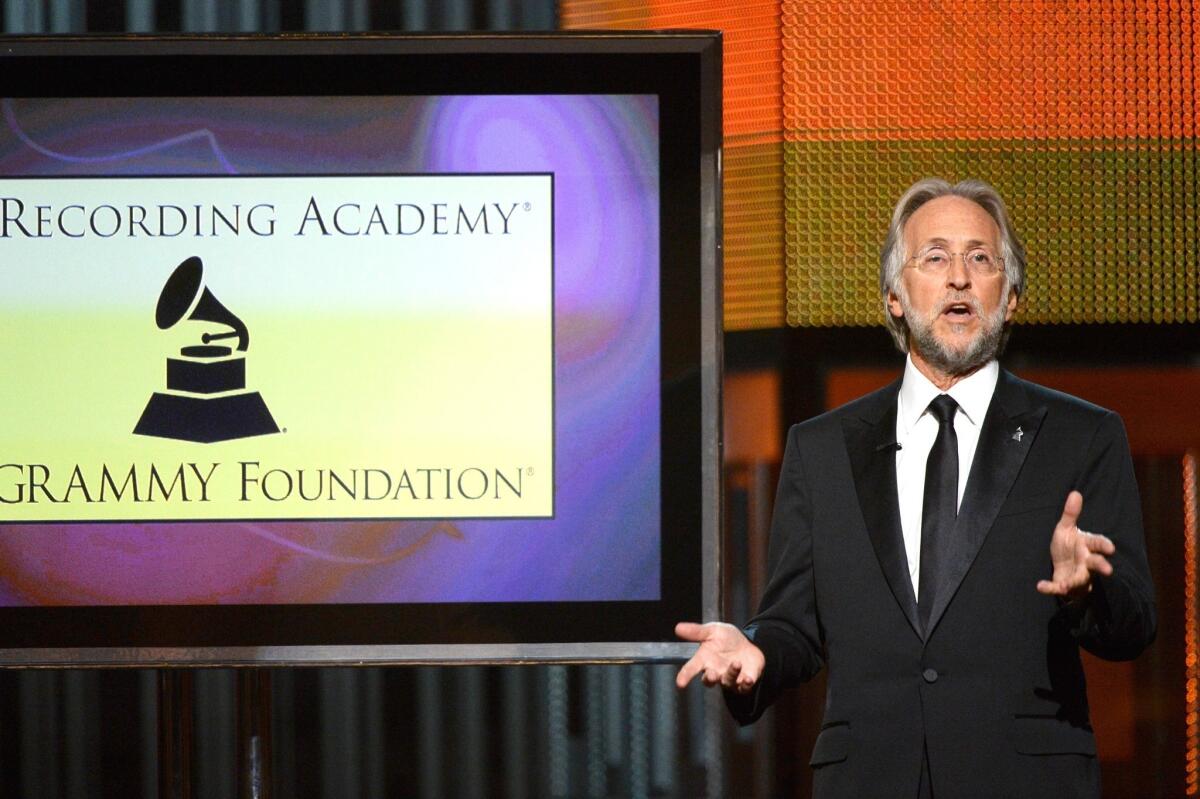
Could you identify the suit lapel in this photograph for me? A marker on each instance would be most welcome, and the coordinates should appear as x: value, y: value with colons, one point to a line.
x: 870, y: 442
x: 1009, y: 429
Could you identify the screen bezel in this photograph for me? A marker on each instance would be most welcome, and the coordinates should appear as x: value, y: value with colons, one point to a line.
x: 683, y: 69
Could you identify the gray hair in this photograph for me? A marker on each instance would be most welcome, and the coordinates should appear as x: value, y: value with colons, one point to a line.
x: 892, y: 257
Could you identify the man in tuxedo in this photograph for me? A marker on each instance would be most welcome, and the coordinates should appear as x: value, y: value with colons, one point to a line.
x: 930, y: 545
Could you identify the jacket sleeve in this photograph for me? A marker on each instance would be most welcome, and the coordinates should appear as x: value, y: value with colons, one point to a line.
x: 786, y: 627
x: 1118, y: 619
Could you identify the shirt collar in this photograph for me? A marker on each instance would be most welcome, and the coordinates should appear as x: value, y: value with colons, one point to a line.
x: 973, y: 393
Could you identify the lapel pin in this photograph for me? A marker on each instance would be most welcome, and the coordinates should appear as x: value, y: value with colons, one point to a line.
x: 1017, y: 435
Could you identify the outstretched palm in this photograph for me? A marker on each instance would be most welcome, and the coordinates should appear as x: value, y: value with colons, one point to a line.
x: 725, y: 656
x: 1076, y: 554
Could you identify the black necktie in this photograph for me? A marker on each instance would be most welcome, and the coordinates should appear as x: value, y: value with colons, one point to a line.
x: 939, y: 507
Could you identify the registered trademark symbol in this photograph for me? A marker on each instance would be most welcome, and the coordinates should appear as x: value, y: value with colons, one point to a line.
x: 529, y: 471
x: 283, y: 430
x: 527, y: 206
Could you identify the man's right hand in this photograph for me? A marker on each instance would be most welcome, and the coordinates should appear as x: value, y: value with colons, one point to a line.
x: 726, y: 656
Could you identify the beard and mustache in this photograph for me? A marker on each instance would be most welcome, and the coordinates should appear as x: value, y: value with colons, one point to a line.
x: 980, y: 349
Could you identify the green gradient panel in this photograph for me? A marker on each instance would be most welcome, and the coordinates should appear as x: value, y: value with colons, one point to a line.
x: 1110, y: 226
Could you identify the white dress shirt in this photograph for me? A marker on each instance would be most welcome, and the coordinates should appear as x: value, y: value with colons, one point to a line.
x: 916, y: 430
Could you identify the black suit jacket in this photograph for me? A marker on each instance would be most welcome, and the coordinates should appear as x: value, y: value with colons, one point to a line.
x: 993, y: 689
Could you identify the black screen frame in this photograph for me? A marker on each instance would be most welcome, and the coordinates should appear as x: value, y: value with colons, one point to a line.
x: 683, y: 69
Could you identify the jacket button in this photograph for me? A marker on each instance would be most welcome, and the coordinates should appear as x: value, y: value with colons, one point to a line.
x: 930, y: 675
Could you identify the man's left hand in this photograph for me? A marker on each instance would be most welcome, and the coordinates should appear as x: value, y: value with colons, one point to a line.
x: 1076, y: 554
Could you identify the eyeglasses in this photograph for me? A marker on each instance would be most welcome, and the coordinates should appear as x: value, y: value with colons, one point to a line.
x: 978, y: 261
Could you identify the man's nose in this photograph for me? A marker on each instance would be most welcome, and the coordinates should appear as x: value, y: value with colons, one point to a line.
x: 958, y: 275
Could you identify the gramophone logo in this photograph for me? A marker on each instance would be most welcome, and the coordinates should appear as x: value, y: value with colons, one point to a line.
x: 206, y: 398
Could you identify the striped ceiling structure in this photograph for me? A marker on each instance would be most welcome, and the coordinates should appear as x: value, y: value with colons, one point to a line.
x: 1083, y: 113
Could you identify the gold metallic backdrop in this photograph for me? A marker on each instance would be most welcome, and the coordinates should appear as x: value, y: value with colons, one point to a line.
x: 1111, y: 233
x: 1082, y: 114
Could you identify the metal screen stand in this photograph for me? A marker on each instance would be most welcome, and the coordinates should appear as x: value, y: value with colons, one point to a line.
x: 176, y: 700
x: 254, y: 733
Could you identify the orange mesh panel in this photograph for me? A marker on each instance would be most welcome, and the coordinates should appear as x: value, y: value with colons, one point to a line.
x: 971, y: 69
x: 751, y: 46
x: 753, y: 121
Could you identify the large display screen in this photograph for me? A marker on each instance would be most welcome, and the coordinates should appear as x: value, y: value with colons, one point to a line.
x: 350, y: 367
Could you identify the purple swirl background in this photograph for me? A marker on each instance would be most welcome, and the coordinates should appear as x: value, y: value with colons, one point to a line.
x: 604, y: 543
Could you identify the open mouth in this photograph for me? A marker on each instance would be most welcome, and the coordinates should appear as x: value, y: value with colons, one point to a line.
x: 958, y: 311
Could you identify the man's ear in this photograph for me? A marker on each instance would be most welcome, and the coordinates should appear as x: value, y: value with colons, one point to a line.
x: 1012, y: 305
x: 896, y: 309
